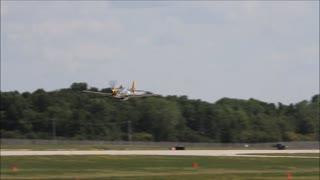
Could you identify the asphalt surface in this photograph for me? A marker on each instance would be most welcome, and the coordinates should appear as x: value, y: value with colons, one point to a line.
x: 161, y: 152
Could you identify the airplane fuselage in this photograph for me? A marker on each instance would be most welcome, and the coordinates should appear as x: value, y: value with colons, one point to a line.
x: 122, y: 92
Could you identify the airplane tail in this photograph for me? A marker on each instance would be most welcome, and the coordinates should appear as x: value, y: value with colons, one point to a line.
x: 133, y: 88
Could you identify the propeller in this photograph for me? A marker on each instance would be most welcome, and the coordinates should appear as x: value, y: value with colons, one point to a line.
x: 112, y: 84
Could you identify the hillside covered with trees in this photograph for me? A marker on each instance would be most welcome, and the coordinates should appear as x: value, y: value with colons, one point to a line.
x: 70, y: 114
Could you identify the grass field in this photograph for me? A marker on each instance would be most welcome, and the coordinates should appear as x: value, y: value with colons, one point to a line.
x: 315, y: 155
x: 157, y: 167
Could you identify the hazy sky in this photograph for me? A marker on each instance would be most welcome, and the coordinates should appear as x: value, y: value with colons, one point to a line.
x: 206, y: 50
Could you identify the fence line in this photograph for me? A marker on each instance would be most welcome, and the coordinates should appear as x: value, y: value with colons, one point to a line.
x: 291, y: 145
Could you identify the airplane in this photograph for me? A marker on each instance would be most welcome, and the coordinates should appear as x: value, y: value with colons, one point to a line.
x: 123, y: 93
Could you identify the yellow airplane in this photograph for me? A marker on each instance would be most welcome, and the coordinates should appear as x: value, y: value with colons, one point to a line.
x: 123, y: 93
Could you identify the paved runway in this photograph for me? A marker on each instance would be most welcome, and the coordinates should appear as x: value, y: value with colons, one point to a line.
x: 160, y: 152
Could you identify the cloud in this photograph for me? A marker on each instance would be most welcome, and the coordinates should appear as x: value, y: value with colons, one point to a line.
x: 80, y: 56
x: 139, y: 4
x: 304, y: 55
x: 4, y: 9
x: 66, y: 42
x: 234, y: 49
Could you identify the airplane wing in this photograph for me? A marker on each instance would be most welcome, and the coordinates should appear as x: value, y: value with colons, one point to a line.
x: 141, y: 91
x: 141, y: 95
x: 99, y: 93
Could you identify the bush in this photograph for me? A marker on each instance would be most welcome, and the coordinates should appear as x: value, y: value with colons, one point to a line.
x: 142, y: 136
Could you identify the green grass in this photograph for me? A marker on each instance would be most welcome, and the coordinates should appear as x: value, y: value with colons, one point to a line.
x: 316, y: 155
x: 156, y: 167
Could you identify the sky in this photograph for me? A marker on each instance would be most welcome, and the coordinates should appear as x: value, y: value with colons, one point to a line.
x: 207, y: 50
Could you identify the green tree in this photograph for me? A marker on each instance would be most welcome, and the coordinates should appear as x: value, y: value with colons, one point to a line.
x: 160, y: 118
x: 79, y: 86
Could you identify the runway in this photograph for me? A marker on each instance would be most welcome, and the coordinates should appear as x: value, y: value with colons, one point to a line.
x: 237, y: 153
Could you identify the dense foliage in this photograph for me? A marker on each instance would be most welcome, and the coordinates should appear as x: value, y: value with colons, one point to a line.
x: 71, y: 114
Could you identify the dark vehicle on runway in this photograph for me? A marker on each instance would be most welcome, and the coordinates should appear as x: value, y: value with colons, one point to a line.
x: 280, y: 146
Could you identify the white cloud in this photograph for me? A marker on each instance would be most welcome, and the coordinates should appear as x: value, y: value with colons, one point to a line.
x: 69, y: 41
x: 233, y: 49
x: 309, y: 55
x: 4, y: 9
x: 79, y: 56
x: 69, y: 27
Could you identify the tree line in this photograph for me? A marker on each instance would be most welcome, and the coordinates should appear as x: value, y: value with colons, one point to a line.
x: 70, y: 114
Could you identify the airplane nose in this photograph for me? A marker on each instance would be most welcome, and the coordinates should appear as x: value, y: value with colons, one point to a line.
x: 114, y: 92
